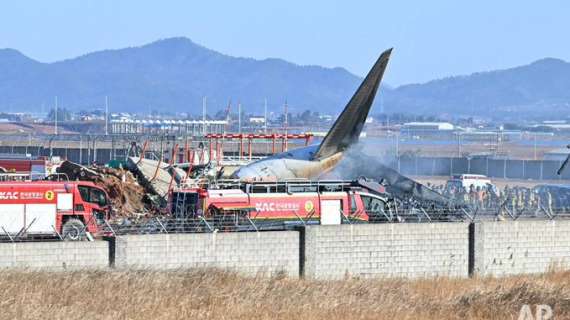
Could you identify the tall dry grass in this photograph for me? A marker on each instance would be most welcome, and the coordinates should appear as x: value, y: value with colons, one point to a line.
x: 217, y: 295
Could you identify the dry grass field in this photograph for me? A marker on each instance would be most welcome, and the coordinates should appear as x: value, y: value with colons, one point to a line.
x: 217, y: 295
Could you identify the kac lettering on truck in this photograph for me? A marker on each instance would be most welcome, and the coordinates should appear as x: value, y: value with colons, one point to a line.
x: 276, y: 206
x: 63, y: 209
x: 9, y: 195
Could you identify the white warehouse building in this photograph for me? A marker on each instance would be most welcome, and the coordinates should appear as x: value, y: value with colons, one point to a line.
x: 426, y: 128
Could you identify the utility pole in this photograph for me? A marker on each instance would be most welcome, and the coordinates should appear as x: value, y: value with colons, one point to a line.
x: 55, y: 123
x: 228, y: 109
x: 458, y: 145
x: 286, y: 116
x: 398, y: 149
x: 106, y: 115
x: 239, y: 117
x: 397, y: 135
x: 535, y: 146
x: 204, y: 115
x: 265, y: 116
x: 381, y: 101
x: 286, y: 146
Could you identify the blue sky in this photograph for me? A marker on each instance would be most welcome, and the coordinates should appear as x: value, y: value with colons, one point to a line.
x: 432, y: 39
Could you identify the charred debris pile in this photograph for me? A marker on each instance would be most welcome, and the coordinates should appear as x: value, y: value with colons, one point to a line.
x: 128, y: 196
x: 141, y: 188
x: 138, y: 189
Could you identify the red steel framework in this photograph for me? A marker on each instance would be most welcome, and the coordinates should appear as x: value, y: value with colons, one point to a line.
x: 214, y: 141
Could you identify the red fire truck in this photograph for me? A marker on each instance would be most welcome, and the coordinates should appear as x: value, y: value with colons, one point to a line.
x: 324, y: 202
x: 48, y: 208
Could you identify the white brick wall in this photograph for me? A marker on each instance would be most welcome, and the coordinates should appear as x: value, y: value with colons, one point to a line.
x: 245, y: 252
x: 57, y: 255
x: 331, y: 252
x: 519, y: 247
x: 387, y: 250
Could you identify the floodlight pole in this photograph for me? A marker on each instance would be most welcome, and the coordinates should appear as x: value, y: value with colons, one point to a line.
x: 55, y: 123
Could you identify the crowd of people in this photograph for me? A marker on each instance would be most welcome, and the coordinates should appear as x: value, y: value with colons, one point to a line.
x: 514, y: 200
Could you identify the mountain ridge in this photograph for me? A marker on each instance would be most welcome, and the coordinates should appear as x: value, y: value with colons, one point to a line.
x: 173, y: 74
x: 532, y: 90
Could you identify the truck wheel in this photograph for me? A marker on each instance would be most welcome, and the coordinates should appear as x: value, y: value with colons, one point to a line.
x: 73, y: 230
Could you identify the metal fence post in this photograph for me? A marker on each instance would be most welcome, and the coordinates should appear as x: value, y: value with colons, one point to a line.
x: 416, y: 164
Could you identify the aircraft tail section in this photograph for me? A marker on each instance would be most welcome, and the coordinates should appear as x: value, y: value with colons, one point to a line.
x: 348, y: 126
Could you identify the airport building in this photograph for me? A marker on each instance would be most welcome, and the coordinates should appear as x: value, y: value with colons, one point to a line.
x: 426, y: 129
x: 184, y: 127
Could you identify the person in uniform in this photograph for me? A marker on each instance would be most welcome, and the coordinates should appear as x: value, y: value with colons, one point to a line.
x: 532, y: 201
x: 549, y: 202
x: 513, y: 202
x: 520, y: 200
x: 472, y: 195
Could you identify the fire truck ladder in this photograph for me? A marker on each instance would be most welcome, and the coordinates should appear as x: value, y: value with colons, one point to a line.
x: 180, y: 207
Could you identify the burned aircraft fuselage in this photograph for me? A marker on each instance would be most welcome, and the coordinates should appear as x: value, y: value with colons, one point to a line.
x: 313, y: 161
x: 289, y: 165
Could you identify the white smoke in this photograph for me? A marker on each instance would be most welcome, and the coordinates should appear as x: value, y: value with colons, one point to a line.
x: 362, y: 161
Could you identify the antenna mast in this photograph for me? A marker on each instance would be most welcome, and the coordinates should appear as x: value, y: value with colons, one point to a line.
x: 55, y: 122
x: 239, y: 117
x: 265, y: 116
x: 228, y: 109
x: 204, y: 115
x: 106, y: 115
x: 286, y: 115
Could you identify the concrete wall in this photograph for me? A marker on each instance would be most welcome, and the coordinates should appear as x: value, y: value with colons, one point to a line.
x: 57, y: 255
x: 387, y: 250
x: 519, y: 247
x: 246, y: 252
x: 323, y: 252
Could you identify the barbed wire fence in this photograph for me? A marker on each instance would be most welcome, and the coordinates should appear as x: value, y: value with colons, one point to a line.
x: 249, y: 222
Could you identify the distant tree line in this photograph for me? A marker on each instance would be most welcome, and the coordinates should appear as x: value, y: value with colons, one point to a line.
x: 10, y: 117
x: 62, y: 115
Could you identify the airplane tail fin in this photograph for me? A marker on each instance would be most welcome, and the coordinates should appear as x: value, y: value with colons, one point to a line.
x: 348, y: 126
